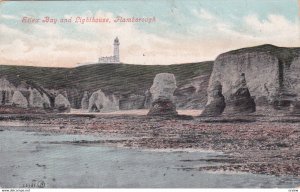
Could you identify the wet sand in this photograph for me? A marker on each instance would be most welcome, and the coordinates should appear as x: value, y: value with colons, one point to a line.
x: 252, y: 144
x: 138, y: 112
x: 39, y: 159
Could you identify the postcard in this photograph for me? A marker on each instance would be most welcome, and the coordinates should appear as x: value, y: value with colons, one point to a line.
x: 150, y: 94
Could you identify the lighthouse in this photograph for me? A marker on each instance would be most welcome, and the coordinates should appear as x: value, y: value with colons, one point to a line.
x: 116, y: 54
x: 116, y: 50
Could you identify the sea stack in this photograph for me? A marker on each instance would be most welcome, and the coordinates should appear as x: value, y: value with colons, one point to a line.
x: 216, y: 105
x: 162, y: 91
x: 99, y: 102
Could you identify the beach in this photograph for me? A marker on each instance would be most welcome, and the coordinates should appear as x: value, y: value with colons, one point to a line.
x: 250, y: 144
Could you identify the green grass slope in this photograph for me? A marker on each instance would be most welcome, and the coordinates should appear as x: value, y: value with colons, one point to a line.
x: 132, y: 78
x: 108, y: 77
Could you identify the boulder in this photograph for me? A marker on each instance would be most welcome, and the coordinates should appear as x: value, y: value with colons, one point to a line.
x: 19, y: 100
x: 239, y: 100
x: 217, y: 104
x: 62, y: 104
x: 85, y: 101
x: 162, y: 91
x: 99, y: 102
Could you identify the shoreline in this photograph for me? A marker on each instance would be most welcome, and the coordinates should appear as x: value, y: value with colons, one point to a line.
x: 259, y: 145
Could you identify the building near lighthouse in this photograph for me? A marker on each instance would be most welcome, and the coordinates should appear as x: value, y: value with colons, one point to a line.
x: 116, y: 54
x: 110, y: 59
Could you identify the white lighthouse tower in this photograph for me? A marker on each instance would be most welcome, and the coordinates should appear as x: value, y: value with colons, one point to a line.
x: 116, y: 54
x: 116, y: 50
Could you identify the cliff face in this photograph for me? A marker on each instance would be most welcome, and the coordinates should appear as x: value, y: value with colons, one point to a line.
x: 271, y: 74
x: 271, y: 79
x: 192, y: 95
x: 27, y: 95
x: 24, y: 95
x: 6, y: 92
x: 129, y: 84
x: 262, y: 69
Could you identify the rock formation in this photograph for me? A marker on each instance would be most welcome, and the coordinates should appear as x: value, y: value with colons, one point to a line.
x: 239, y: 101
x: 295, y: 107
x: 27, y: 94
x: 99, y: 102
x: 271, y: 73
x: 24, y: 89
x: 292, y: 81
x: 36, y: 99
x: 62, y: 104
x: 6, y: 91
x: 148, y: 99
x: 122, y: 80
x: 85, y: 101
x: 19, y: 100
x: 24, y: 95
x: 193, y: 94
x: 293, y: 78
x: 46, y: 102
x: 217, y: 101
x: 132, y: 101
x: 162, y: 91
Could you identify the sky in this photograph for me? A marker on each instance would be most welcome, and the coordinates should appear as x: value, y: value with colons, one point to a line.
x: 183, y: 32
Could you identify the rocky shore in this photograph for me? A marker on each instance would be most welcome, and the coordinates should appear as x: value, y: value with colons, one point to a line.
x: 255, y: 144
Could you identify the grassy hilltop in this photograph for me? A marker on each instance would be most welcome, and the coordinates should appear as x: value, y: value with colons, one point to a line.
x: 108, y: 77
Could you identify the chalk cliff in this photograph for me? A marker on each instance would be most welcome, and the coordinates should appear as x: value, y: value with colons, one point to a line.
x: 271, y: 76
x: 29, y: 95
x: 99, y: 102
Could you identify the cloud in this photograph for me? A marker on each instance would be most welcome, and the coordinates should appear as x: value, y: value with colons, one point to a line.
x: 66, y: 45
x: 47, y: 30
x: 204, y: 14
x: 274, y: 25
x: 46, y: 49
x: 8, y: 17
x: 50, y: 45
x: 224, y: 35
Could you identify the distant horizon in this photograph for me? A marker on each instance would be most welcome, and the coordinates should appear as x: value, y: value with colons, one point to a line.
x: 60, y: 34
x: 122, y: 63
x: 108, y: 64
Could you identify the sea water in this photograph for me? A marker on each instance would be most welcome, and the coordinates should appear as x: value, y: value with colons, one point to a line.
x: 28, y: 159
